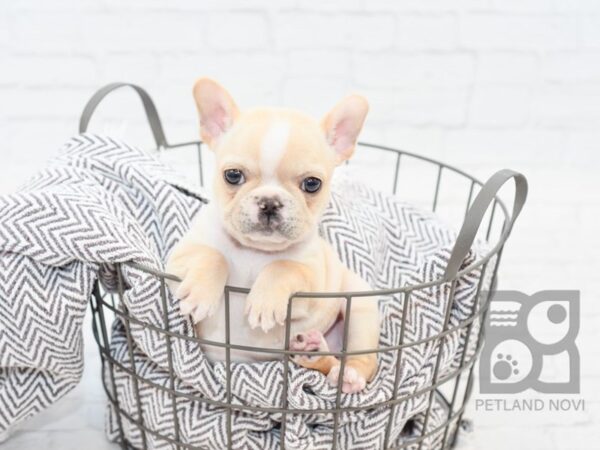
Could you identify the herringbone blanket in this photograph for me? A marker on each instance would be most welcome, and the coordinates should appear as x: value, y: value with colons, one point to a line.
x: 102, y: 202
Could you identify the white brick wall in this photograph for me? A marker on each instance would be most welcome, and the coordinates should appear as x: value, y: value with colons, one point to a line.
x: 483, y: 84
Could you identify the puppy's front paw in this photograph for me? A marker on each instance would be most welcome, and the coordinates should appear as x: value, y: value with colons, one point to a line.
x: 266, y: 307
x: 267, y: 302
x: 352, y: 381
x: 199, y: 296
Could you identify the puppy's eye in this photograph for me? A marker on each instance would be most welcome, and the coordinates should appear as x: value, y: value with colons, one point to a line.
x: 311, y: 185
x: 234, y: 176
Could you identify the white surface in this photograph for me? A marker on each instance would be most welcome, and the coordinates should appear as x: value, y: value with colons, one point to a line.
x: 482, y: 84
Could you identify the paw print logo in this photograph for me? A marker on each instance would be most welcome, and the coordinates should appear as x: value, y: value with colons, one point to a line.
x: 522, y: 334
x: 505, y: 367
x: 510, y: 362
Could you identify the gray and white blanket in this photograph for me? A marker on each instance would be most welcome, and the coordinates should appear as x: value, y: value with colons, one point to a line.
x: 102, y: 202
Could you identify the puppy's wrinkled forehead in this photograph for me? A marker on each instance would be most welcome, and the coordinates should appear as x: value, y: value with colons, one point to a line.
x: 276, y: 144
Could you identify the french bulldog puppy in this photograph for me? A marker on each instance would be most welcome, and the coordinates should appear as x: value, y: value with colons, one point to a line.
x: 272, y: 184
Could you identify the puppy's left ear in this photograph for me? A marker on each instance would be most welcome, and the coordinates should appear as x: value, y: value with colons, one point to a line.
x: 343, y: 124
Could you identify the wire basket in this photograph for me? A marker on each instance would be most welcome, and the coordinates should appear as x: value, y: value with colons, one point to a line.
x: 478, y: 206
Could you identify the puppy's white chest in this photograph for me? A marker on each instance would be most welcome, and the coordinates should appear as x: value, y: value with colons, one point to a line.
x: 244, y: 266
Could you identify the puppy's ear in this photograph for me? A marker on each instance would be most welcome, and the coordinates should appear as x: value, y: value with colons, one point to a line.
x: 343, y: 124
x: 216, y: 108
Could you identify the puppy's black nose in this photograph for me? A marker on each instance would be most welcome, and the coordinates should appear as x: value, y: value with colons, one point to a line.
x: 268, y: 207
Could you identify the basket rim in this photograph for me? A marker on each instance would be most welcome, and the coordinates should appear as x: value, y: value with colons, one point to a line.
x: 479, y: 311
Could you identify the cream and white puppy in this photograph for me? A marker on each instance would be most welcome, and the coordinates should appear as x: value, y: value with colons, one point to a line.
x: 274, y: 168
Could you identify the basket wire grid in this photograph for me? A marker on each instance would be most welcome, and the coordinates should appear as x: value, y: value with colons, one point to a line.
x: 453, y: 390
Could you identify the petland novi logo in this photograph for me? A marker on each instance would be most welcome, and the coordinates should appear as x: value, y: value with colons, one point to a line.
x: 526, y: 337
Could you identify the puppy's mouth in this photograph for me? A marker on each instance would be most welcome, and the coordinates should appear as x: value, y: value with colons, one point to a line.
x: 272, y: 233
x: 269, y: 223
x: 267, y: 239
x: 269, y: 230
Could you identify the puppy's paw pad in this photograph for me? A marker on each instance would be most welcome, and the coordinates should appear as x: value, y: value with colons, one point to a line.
x: 352, y: 381
x: 310, y: 341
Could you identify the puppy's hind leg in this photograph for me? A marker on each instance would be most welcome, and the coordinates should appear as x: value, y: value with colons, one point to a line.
x: 363, y: 334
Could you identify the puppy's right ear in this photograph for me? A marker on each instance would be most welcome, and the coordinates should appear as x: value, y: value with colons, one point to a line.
x: 216, y: 108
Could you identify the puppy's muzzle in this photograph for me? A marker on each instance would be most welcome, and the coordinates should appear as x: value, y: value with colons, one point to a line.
x: 269, y: 211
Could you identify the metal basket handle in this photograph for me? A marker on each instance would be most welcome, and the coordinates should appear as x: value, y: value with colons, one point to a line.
x: 149, y: 107
x: 474, y: 217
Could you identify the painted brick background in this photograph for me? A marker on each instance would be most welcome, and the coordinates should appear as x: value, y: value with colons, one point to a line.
x: 482, y: 84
